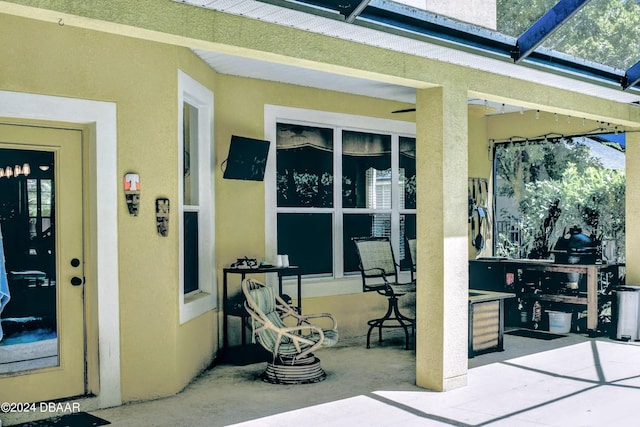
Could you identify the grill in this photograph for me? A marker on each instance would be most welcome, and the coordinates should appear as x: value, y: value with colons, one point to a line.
x: 575, y: 248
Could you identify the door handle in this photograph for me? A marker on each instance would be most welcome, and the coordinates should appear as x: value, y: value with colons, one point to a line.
x: 76, y: 281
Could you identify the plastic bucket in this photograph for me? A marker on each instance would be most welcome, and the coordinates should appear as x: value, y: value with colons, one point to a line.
x: 559, y: 322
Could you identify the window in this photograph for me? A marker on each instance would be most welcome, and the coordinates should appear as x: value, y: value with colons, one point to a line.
x: 40, y: 197
x: 195, y: 205
x: 339, y: 178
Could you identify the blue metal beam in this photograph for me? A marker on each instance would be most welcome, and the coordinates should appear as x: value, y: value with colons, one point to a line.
x: 631, y: 76
x: 544, y: 27
x: 357, y: 11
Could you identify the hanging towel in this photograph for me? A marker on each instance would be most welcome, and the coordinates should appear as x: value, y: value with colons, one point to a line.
x: 4, y: 284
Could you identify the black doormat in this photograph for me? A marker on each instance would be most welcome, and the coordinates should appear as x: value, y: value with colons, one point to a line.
x: 77, y: 419
x: 539, y: 335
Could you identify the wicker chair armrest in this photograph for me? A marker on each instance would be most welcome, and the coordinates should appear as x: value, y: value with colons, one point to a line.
x: 334, y: 321
x: 290, y: 332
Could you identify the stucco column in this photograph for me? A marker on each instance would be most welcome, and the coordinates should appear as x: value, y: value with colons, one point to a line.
x: 632, y: 206
x: 442, y: 280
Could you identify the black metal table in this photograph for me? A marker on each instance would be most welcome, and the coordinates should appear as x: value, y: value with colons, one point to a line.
x: 235, y: 307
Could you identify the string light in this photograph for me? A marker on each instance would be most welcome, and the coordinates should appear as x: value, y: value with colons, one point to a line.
x: 554, y: 136
x: 15, y: 171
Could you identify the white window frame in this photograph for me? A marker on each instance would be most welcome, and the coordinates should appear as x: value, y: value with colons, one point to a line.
x: 205, y: 298
x: 274, y: 114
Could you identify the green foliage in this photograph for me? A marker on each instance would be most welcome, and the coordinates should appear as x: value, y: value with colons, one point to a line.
x: 593, y: 199
x: 521, y: 163
x: 603, y: 31
x: 587, y: 195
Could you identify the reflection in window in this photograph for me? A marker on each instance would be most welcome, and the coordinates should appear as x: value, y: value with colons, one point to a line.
x: 304, y: 166
x: 365, y: 157
x: 407, y: 172
x: 40, y: 199
x: 190, y: 155
x: 319, y: 215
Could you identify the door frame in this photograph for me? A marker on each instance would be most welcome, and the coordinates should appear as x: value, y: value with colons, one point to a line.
x: 102, y: 183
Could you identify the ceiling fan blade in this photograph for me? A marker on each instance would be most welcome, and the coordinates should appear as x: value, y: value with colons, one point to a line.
x: 406, y: 110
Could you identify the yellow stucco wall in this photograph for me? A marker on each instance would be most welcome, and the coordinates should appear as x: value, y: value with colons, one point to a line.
x: 157, y: 356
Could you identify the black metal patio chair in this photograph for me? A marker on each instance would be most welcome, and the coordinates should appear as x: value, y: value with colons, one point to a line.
x: 380, y: 274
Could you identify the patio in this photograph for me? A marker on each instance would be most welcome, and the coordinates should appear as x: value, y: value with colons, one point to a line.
x: 570, y: 381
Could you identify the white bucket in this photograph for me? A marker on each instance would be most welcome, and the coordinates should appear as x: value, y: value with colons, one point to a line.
x: 559, y: 322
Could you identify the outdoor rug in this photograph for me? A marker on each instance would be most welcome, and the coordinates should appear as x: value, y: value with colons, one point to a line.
x: 539, y: 335
x: 78, y: 419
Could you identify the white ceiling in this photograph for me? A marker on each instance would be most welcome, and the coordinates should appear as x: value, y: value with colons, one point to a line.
x: 253, y: 68
x: 279, y: 72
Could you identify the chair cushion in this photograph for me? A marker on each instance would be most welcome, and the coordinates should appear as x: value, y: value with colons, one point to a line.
x: 265, y: 299
x: 330, y: 337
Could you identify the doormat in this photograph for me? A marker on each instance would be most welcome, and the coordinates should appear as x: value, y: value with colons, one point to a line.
x: 78, y: 419
x: 539, y: 335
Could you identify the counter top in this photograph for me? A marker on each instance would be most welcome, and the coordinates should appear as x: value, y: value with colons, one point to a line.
x: 541, y: 262
x: 476, y: 295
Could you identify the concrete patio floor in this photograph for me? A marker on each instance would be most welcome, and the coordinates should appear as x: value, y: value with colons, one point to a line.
x: 570, y: 381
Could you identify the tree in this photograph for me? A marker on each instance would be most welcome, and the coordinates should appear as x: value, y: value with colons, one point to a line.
x: 603, y: 31
x: 556, y: 186
x: 521, y: 163
x: 592, y: 199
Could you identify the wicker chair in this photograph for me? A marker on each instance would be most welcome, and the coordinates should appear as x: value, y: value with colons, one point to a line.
x: 288, y: 335
x: 380, y: 274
